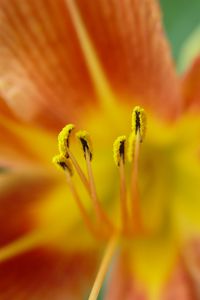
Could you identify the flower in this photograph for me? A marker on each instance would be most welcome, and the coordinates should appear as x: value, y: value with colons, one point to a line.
x: 90, y: 63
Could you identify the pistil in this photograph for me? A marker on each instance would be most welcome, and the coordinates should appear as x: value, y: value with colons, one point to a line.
x: 103, y: 269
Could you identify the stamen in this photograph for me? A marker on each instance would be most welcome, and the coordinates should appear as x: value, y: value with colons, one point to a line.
x: 85, y: 140
x: 63, y: 139
x: 119, y: 150
x: 63, y: 146
x: 139, y: 122
x: 62, y: 163
x: 65, y: 160
x: 103, y: 268
x: 139, y: 129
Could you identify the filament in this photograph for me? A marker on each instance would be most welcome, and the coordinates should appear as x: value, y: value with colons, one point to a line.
x: 135, y: 197
x: 82, y: 210
x: 99, y: 211
x: 123, y: 197
x: 103, y: 268
x: 79, y: 171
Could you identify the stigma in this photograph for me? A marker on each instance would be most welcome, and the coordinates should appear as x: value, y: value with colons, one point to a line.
x: 101, y: 225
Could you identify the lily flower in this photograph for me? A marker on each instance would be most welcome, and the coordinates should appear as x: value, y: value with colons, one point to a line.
x: 127, y: 226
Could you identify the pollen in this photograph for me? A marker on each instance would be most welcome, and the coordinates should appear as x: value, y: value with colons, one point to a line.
x: 62, y: 163
x: 131, y: 146
x: 139, y: 122
x: 119, y: 147
x: 86, y: 143
x: 63, y: 139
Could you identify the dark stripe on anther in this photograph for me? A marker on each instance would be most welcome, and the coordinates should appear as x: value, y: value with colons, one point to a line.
x: 85, y: 147
x: 122, y: 150
x: 137, y: 121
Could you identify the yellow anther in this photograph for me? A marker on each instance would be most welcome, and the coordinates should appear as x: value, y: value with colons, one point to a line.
x: 85, y: 140
x: 131, y: 146
x: 63, y: 139
x: 139, y: 122
x: 119, y: 149
x: 62, y: 163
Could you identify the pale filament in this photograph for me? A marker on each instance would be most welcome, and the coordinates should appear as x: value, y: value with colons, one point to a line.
x: 103, y: 269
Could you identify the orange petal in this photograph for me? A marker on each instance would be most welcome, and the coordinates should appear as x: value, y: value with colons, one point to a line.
x: 122, y: 284
x: 19, y: 194
x: 14, y: 151
x: 46, y: 275
x: 43, y: 74
x: 192, y: 258
x: 180, y: 285
x: 135, y: 55
x: 43, y: 71
x: 191, y: 87
x: 5, y: 111
x: 20, y: 143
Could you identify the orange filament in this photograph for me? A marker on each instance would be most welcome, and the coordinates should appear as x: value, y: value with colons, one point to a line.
x: 79, y: 171
x: 99, y: 211
x: 135, y: 197
x: 81, y: 208
x: 123, y: 197
x: 91, y: 189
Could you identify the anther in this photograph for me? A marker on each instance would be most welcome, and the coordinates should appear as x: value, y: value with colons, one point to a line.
x: 135, y: 139
x: 119, y: 154
x: 139, y: 122
x: 119, y: 150
x: 62, y: 163
x: 63, y: 139
x: 85, y: 140
x: 131, y: 146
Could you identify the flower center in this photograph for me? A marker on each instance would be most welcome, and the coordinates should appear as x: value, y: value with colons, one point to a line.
x: 123, y: 150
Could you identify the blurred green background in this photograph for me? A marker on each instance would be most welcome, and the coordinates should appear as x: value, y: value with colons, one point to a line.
x: 181, y: 18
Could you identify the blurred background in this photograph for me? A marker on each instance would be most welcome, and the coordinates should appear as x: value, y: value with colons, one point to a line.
x: 182, y: 25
